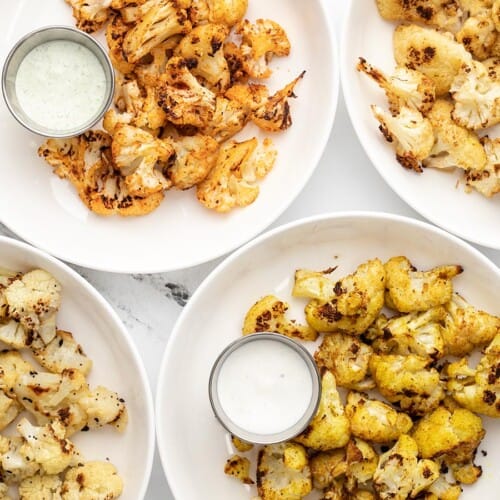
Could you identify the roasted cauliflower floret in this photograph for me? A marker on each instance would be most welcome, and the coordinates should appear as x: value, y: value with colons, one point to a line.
x: 269, y: 315
x: 239, y: 468
x: 13, y: 334
x: 374, y: 420
x: 411, y: 133
x: 362, y: 461
x: 474, y: 7
x: 9, y: 410
x: 241, y: 445
x: 329, y: 428
x: 16, y: 465
x: 487, y: 180
x: 283, y: 472
x: 400, y: 474
x: 228, y: 12
x: 251, y: 96
x: 405, y: 87
x: 441, y: 489
x: 161, y: 20
x: 347, y: 358
x: 408, y: 381
x: 12, y: 366
x: 455, y: 146
x: 478, y: 35
x: 409, y: 290
x: 91, y: 481
x: 232, y: 182
x: 435, y: 54
x: 40, y: 487
x: 115, y: 34
x: 102, y: 407
x: 467, y: 327
x: 326, y: 466
x: 349, y: 305
x: 466, y: 473
x: 203, y: 47
x: 451, y: 435
x: 90, y: 15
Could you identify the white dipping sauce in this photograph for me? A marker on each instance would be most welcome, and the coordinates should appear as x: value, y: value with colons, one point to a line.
x: 61, y: 85
x: 264, y: 387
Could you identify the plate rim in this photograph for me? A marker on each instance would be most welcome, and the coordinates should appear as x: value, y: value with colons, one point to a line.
x: 31, y: 251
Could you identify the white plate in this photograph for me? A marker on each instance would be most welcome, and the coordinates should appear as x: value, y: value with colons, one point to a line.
x: 45, y: 210
x: 116, y: 365
x: 193, y: 446
x: 434, y: 194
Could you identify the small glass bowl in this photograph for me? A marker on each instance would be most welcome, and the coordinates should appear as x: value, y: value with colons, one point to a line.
x: 28, y: 43
x: 277, y: 437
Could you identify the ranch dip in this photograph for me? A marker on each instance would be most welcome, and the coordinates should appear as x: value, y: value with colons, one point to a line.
x: 61, y: 85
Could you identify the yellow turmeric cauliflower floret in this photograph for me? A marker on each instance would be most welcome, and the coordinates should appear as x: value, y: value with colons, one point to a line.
x: 239, y: 468
x: 347, y: 358
x: 467, y: 327
x: 232, y: 182
x: 329, y: 428
x: 436, y: 55
x: 411, y: 133
x: 90, y: 15
x: 452, y: 435
x: 326, y: 466
x: 241, y: 445
x: 279, y: 477
x: 349, y: 305
x: 409, y: 290
x: 40, y: 487
x: 374, y: 420
x: 400, y: 474
x: 487, y: 180
x: 362, y: 461
x: 408, y: 381
x: 269, y: 315
x: 466, y: 473
x: 405, y: 87
x: 91, y: 481
x: 9, y: 410
x: 228, y: 12
x: 441, y: 489
x: 478, y: 35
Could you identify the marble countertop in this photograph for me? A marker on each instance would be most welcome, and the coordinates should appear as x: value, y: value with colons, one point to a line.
x: 150, y: 304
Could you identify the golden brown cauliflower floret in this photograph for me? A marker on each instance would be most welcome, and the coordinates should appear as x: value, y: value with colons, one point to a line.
x: 446, y: 15
x: 441, y: 489
x: 408, y: 381
x: 91, y: 481
x: 478, y: 35
x: 400, y: 474
x: 40, y: 487
x: 451, y: 435
x: 362, y: 461
x: 487, y: 180
x: 411, y: 133
x: 232, y: 182
x: 348, y: 305
x: 115, y: 34
x: 90, y: 15
x: 228, y: 12
x: 455, y: 145
x: 405, y: 87
x: 466, y: 473
x: 374, y: 420
x: 326, y: 466
x: 467, y: 327
x: 269, y: 315
x: 102, y: 407
x: 283, y: 472
x: 329, y: 428
x: 409, y: 290
x: 9, y: 410
x: 435, y: 54
x: 241, y: 445
x: 347, y: 358
x: 161, y: 20
x: 239, y: 468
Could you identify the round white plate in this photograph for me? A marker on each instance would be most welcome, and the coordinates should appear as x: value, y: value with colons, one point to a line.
x: 193, y: 446
x: 436, y: 195
x: 116, y: 365
x: 46, y: 211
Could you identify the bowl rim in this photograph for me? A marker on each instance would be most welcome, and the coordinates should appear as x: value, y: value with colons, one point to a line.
x: 148, y: 415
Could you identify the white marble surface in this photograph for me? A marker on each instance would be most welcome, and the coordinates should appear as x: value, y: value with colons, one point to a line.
x: 150, y: 304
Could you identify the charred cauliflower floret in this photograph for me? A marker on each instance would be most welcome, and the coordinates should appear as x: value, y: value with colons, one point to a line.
x: 91, y: 481
x: 374, y: 420
x: 405, y: 87
x: 90, y: 15
x: 347, y: 358
x: 161, y: 20
x: 241, y: 445
x: 455, y: 146
x: 409, y: 290
x: 40, y: 487
x: 478, y: 35
x: 251, y: 96
x: 400, y: 474
x: 203, y: 48
x: 411, y: 133
x: 9, y: 410
x: 418, y: 333
x: 228, y: 12
x: 408, y: 381
x: 451, y: 435
x: 34, y: 301
x: 326, y: 466
x: 329, y: 428
x: 283, y: 472
x: 115, y: 34
x: 239, y: 468
x: 466, y: 473
x: 269, y: 315
x: 15, y: 464
x: 349, y: 305
x: 476, y: 96
x: 487, y: 180
x: 467, y: 327
x: 12, y: 366
x: 362, y: 461
x: 102, y: 407
x: 434, y: 54
x: 232, y: 182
